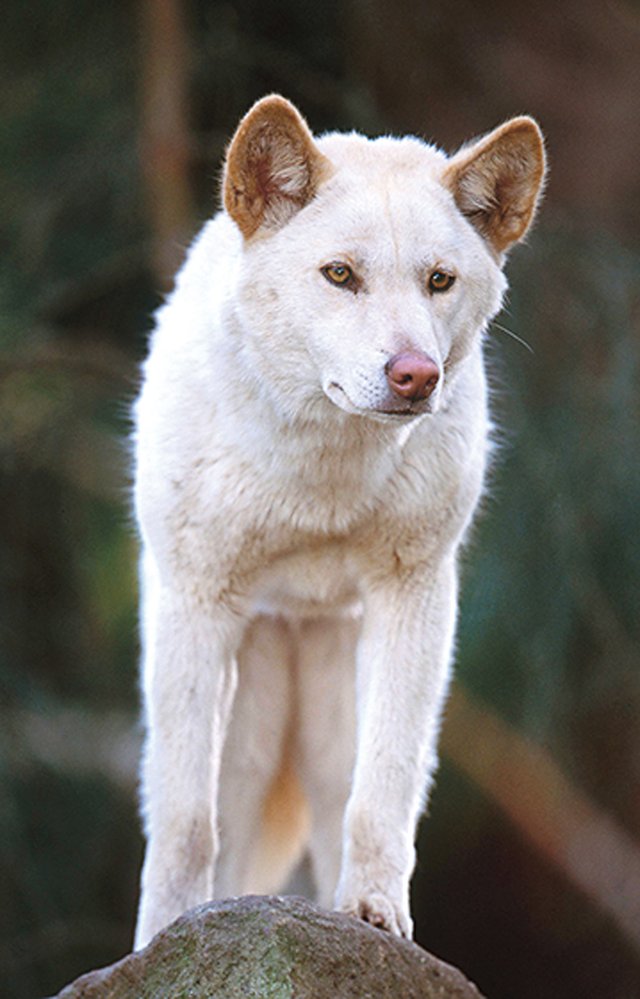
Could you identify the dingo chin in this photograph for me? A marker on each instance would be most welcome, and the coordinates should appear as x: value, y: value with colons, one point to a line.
x: 311, y: 440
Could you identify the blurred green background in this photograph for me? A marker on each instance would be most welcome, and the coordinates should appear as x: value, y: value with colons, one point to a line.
x: 114, y: 118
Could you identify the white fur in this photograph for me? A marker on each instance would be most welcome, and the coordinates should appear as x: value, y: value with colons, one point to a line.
x: 269, y: 490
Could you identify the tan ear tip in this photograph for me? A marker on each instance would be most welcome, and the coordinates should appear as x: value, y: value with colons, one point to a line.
x: 273, y: 106
x: 527, y: 127
x: 269, y: 100
x: 525, y: 121
x: 526, y: 131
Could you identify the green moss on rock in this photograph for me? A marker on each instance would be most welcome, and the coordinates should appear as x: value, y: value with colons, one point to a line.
x: 271, y: 947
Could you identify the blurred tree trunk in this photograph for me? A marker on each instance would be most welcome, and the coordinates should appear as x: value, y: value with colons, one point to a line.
x: 165, y: 147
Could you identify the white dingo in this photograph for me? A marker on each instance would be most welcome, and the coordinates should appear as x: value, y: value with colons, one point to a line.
x: 311, y: 445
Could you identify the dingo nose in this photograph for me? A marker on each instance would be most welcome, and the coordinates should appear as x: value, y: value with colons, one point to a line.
x: 412, y: 375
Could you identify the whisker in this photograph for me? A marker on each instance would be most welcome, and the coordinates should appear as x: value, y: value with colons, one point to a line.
x: 514, y: 336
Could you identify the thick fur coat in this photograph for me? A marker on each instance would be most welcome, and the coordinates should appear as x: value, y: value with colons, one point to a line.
x: 311, y: 441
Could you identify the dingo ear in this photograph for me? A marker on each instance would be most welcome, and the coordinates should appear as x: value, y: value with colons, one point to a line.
x: 496, y: 182
x: 273, y: 166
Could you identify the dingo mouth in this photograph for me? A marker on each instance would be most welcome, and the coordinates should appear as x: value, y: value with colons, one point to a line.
x: 395, y: 414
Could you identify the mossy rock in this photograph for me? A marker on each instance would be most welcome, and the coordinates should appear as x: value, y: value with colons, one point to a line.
x: 270, y: 947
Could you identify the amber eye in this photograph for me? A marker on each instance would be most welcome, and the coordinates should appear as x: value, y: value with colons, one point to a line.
x: 440, y: 281
x: 338, y: 273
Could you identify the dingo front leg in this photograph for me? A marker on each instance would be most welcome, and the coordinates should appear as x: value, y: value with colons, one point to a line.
x: 326, y: 737
x: 189, y: 679
x: 403, y: 667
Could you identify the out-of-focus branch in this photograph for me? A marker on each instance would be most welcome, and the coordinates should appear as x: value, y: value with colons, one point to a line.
x: 592, y: 850
x: 76, y: 742
x: 165, y: 147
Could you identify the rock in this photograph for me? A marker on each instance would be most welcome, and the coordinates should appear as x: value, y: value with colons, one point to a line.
x: 272, y: 947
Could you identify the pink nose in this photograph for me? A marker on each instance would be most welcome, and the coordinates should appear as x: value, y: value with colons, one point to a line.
x: 412, y: 375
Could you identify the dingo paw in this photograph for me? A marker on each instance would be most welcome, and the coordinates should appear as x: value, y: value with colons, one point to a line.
x: 378, y: 911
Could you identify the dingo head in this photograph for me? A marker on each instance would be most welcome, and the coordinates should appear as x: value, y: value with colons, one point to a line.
x: 371, y: 267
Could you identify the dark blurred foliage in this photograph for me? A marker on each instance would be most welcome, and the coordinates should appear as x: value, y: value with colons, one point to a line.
x: 549, y: 636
